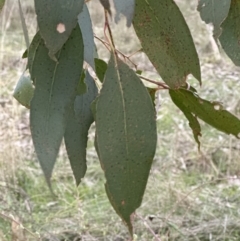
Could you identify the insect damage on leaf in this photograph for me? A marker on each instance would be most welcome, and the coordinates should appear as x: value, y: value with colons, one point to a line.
x: 61, y: 28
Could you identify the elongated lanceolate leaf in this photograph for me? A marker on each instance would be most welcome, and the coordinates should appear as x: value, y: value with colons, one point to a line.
x: 193, y: 121
x: 166, y: 40
x: 31, y: 53
x: 210, y: 112
x: 82, y: 87
x: 85, y: 24
x: 56, y: 20
x: 106, y: 5
x: 231, y: 33
x: 126, y: 137
x: 214, y: 11
x: 55, y: 92
x: 101, y: 68
x: 126, y: 8
x: 79, y: 122
x: 24, y: 91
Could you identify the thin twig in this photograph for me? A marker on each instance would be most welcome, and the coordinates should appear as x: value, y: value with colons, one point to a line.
x: 137, y: 51
x: 148, y: 227
x: 106, y: 26
x: 106, y: 44
x: 19, y: 224
x: 164, y: 86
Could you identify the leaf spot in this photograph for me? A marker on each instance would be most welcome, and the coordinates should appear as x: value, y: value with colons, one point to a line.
x: 61, y: 28
x: 123, y: 202
x: 217, y: 107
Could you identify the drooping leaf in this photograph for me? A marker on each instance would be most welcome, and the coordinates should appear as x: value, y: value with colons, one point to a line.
x: 125, y: 136
x: 25, y: 54
x: 152, y: 93
x: 85, y: 24
x: 55, y: 92
x: 24, y: 91
x: 126, y: 8
x: 56, y: 20
x: 1, y: 4
x: 101, y: 68
x: 166, y: 39
x: 93, y: 109
x: 106, y: 5
x: 76, y: 135
x: 231, y: 33
x: 193, y: 121
x: 82, y: 87
x: 139, y: 72
x: 210, y: 112
x: 214, y: 11
x: 31, y: 52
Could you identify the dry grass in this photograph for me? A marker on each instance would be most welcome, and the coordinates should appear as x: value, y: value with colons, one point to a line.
x: 190, y: 195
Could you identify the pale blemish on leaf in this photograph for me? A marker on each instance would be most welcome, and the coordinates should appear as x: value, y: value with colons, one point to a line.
x: 61, y: 28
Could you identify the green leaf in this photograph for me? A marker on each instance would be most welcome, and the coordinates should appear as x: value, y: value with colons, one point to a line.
x: 126, y: 137
x: 55, y: 92
x: 214, y: 11
x: 101, y: 68
x: 76, y: 135
x: 56, y: 20
x: 106, y: 5
x: 210, y: 112
x: 193, y: 121
x: 85, y: 24
x: 82, y: 87
x: 231, y: 33
x: 139, y: 72
x: 126, y: 8
x: 25, y: 54
x: 166, y: 39
x: 1, y: 4
x: 31, y: 52
x: 152, y: 93
x: 24, y: 91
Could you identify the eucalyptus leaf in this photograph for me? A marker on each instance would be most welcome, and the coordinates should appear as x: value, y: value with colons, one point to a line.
x: 24, y: 91
x: 82, y: 87
x: 231, y: 33
x: 101, y: 67
x: 212, y: 113
x: 31, y: 52
x: 56, y: 20
x: 126, y: 8
x: 106, y: 5
x: 193, y: 121
x: 166, y: 39
x: 79, y: 122
x: 125, y: 137
x: 85, y: 24
x: 214, y: 11
x: 55, y: 92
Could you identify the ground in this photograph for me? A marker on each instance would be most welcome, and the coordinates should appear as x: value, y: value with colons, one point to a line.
x: 190, y: 195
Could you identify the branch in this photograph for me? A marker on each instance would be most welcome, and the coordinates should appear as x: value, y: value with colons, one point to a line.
x: 160, y: 84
